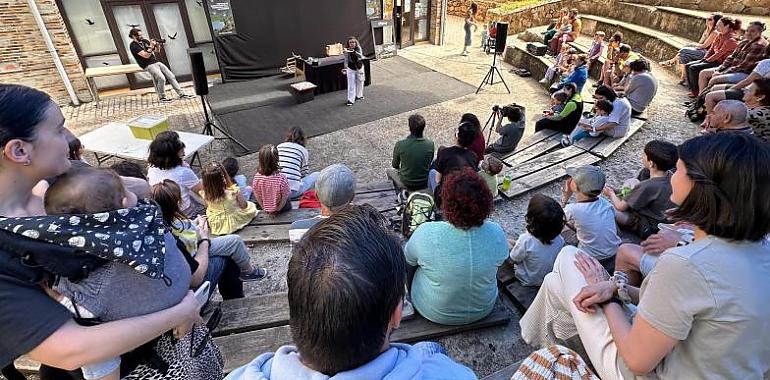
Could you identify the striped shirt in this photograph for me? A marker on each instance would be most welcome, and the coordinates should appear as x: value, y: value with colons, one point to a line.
x: 271, y: 191
x: 292, y: 158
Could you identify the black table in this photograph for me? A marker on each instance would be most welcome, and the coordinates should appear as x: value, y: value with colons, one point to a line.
x: 327, y: 74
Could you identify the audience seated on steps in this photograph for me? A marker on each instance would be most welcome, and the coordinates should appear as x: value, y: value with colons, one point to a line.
x: 726, y: 42
x: 740, y: 63
x: 478, y: 144
x: 165, y: 162
x: 454, y: 158
x: 587, y: 125
x: 698, y: 313
x: 226, y: 208
x: 736, y: 91
x: 346, y: 282
x: 620, y: 118
x: 695, y: 51
x: 642, y: 86
x: 596, y: 50
x: 453, y: 263
x: 641, y: 208
x: 560, y: 66
x: 566, y: 120
x: 293, y: 161
x: 232, y: 168
x: 270, y: 186
x: 535, y: 251
x: 591, y: 216
x: 560, y: 25
x: 612, y: 71
x: 335, y: 188
x: 510, y: 133
x: 217, y: 257
x: 613, y: 50
x: 578, y: 74
x: 728, y: 116
x: 567, y: 34
x: 412, y: 157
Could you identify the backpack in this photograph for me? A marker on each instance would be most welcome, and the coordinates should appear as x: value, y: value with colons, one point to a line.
x: 419, y: 209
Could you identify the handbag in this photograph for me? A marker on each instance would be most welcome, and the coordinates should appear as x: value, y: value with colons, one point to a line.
x: 193, y: 357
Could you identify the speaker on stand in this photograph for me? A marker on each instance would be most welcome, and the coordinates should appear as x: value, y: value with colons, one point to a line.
x: 202, y: 89
x: 500, y: 41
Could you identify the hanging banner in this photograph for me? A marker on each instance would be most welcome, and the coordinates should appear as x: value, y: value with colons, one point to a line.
x: 222, y: 21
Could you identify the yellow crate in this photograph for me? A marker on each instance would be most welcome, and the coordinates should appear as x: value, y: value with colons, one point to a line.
x: 146, y: 127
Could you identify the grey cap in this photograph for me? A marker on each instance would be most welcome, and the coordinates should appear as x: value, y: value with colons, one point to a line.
x: 336, y: 186
x: 588, y: 178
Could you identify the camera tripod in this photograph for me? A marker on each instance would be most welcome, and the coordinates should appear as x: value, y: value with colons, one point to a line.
x: 491, y: 123
x: 209, y: 126
x: 490, y: 77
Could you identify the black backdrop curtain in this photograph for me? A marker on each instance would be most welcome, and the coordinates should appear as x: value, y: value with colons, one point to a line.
x: 269, y: 31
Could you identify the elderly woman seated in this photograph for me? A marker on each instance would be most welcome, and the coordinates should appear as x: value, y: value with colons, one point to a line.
x: 453, y: 264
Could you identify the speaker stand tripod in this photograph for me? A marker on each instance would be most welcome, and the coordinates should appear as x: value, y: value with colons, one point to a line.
x: 209, y: 127
x: 490, y: 77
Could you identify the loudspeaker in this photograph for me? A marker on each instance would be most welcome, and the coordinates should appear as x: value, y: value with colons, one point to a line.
x: 501, y: 37
x: 198, y: 71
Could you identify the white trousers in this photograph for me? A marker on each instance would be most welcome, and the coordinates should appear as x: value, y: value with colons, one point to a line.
x: 160, y: 74
x: 355, y: 86
x: 553, y: 316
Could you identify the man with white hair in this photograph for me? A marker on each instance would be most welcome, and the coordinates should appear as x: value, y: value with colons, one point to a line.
x: 729, y: 116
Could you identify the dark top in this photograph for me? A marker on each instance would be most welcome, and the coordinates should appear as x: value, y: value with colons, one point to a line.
x: 136, y: 47
x: 455, y: 158
x: 27, y: 315
x: 510, y: 135
x: 651, y: 198
x: 412, y: 157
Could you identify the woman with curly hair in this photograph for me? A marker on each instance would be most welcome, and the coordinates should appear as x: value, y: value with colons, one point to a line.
x: 453, y: 264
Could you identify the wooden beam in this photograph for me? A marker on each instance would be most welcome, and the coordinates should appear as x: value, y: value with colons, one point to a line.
x: 253, y: 313
x: 286, y: 217
x: 264, y: 234
x: 522, y: 296
x: 610, y: 145
x: 544, y: 177
x: 240, y: 349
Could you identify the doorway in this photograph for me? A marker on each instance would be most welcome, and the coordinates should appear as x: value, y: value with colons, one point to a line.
x: 158, y: 20
x: 412, y: 18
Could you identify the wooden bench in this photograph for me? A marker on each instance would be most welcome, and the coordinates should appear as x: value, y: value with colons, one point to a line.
x: 95, y: 72
x: 239, y: 349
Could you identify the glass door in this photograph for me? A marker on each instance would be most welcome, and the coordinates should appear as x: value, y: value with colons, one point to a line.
x: 421, y: 20
x: 407, y: 23
x: 125, y: 18
x: 168, y: 21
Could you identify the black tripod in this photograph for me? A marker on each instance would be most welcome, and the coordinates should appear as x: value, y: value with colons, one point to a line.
x: 492, y: 122
x: 209, y: 127
x: 490, y: 77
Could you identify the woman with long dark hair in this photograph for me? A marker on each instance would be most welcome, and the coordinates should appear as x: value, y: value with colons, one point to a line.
x: 470, y: 22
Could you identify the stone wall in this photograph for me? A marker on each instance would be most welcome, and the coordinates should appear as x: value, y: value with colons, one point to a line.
x: 755, y: 7
x: 536, y: 15
x: 460, y: 8
x: 24, y: 57
x: 434, y: 28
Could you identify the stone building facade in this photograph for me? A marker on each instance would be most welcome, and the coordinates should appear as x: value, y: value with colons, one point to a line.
x: 24, y: 56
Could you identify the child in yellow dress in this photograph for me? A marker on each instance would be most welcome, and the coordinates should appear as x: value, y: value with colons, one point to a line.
x: 227, y: 210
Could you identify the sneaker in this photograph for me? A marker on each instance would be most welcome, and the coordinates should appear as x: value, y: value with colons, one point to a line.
x: 186, y: 96
x: 256, y: 275
x: 565, y: 141
x: 166, y: 100
x: 464, y: 54
x: 361, y: 98
x: 348, y: 103
x: 543, y: 81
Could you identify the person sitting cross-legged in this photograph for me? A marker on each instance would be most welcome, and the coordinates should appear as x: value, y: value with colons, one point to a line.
x: 412, y: 157
x: 644, y: 207
x: 454, y: 262
x: 335, y: 188
x: 346, y: 290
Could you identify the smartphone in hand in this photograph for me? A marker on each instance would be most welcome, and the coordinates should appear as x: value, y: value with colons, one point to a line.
x: 202, y: 293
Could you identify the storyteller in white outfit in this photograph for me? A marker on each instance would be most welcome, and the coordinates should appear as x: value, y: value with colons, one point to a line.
x: 354, y: 69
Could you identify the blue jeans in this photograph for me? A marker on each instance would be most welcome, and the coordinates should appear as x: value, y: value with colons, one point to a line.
x: 223, y: 272
x: 307, y: 183
x: 578, y: 134
x: 432, y: 180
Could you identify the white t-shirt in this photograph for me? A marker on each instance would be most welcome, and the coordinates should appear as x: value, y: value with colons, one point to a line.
x: 763, y: 68
x: 621, y: 114
x: 711, y: 296
x: 534, y: 259
x: 594, y: 223
x: 182, y: 175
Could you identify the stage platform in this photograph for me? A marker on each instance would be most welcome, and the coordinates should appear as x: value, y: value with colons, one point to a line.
x: 260, y: 111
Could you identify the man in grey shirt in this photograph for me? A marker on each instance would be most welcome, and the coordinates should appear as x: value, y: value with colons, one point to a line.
x: 642, y: 87
x: 510, y: 134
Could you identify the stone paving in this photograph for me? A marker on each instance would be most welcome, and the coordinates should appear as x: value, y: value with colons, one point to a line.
x: 367, y: 150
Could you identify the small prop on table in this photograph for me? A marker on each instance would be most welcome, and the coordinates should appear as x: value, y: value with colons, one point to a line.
x: 146, y: 127
x: 303, y: 91
x: 334, y: 49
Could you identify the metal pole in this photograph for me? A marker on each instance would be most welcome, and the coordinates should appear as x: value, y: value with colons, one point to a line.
x: 443, y: 21
x: 52, y: 49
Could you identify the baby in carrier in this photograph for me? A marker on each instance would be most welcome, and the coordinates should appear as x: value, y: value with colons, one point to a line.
x: 104, y: 219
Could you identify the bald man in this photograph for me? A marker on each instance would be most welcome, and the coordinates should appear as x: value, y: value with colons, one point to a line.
x: 729, y: 116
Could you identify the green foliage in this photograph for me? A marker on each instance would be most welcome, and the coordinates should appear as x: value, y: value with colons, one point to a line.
x: 512, y: 5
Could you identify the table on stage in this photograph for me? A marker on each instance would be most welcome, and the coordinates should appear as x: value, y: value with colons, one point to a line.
x: 116, y: 140
x: 327, y: 74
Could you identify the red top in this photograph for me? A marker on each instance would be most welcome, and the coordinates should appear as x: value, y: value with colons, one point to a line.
x: 478, y: 146
x: 271, y: 191
x: 721, y: 48
x: 493, y: 32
